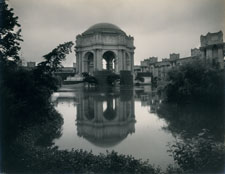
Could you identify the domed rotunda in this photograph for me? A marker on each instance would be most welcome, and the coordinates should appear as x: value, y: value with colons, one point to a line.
x: 104, y: 46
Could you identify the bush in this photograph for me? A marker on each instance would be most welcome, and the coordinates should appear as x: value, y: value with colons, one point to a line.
x: 199, y: 154
x: 195, y: 81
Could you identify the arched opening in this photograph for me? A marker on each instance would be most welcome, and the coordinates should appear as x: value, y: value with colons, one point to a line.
x: 109, y: 109
x: 108, y: 61
x: 89, y: 62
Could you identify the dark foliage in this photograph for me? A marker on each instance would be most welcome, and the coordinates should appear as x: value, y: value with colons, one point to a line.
x: 154, y: 82
x: 197, y: 82
x: 53, y: 59
x: 24, y: 92
x: 89, y: 78
x: 85, y: 74
x: 9, y: 35
x: 199, y: 148
x: 112, y: 78
x: 141, y: 79
x: 31, y: 158
x: 199, y: 154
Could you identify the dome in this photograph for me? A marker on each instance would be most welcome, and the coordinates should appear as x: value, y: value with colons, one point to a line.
x: 103, y: 28
x: 104, y: 134
x: 105, y: 142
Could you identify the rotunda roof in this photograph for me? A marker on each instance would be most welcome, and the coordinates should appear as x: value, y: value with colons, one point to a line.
x: 105, y: 142
x: 103, y: 28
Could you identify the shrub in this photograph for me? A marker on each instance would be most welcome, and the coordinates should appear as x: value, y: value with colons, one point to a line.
x: 199, y: 154
x: 195, y: 81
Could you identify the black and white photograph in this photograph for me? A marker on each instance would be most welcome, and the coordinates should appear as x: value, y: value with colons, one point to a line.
x: 112, y: 86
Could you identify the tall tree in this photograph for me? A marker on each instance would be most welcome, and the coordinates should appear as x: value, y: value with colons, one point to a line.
x: 55, y: 57
x: 10, y: 36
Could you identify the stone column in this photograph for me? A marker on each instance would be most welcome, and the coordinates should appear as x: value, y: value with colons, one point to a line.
x: 94, y: 61
x: 84, y: 63
x: 109, y: 65
x: 80, y: 62
x: 124, y: 60
x: 120, y: 60
x: 116, y: 63
x: 98, y: 53
x: 132, y: 62
x: 77, y: 62
x: 128, y: 61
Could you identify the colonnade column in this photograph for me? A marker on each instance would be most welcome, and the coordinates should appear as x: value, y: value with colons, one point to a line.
x: 116, y: 64
x: 119, y: 60
x: 109, y: 65
x: 98, y: 60
x: 94, y: 61
x: 83, y: 63
x: 77, y: 62
x: 132, y: 62
x: 124, y: 60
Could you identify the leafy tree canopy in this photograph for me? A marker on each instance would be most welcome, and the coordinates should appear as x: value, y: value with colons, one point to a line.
x: 10, y: 36
x: 55, y: 57
x: 195, y: 81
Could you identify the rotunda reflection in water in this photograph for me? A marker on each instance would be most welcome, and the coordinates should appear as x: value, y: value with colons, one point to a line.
x: 105, y: 118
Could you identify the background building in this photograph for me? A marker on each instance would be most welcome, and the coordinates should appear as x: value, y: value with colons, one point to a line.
x: 212, y: 52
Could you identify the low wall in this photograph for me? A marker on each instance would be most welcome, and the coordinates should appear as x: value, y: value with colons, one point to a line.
x: 126, y: 78
x: 101, y: 77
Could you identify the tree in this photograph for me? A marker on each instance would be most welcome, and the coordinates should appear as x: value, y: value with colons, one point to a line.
x: 112, y: 79
x: 55, y: 57
x: 195, y: 81
x: 9, y: 34
x: 89, y: 78
x: 199, y: 154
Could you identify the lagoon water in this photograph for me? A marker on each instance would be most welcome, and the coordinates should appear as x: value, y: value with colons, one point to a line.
x: 116, y: 119
x: 130, y: 121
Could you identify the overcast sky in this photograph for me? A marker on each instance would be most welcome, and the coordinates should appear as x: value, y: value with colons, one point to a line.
x: 159, y: 27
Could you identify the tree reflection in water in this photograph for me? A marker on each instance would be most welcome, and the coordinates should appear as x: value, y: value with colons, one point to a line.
x: 198, y: 129
x: 199, y: 132
x: 192, y: 118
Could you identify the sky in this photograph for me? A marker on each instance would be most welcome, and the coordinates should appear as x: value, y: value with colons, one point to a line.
x: 159, y: 27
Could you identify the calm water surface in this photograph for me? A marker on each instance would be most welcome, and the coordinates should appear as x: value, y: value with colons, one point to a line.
x: 116, y: 119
